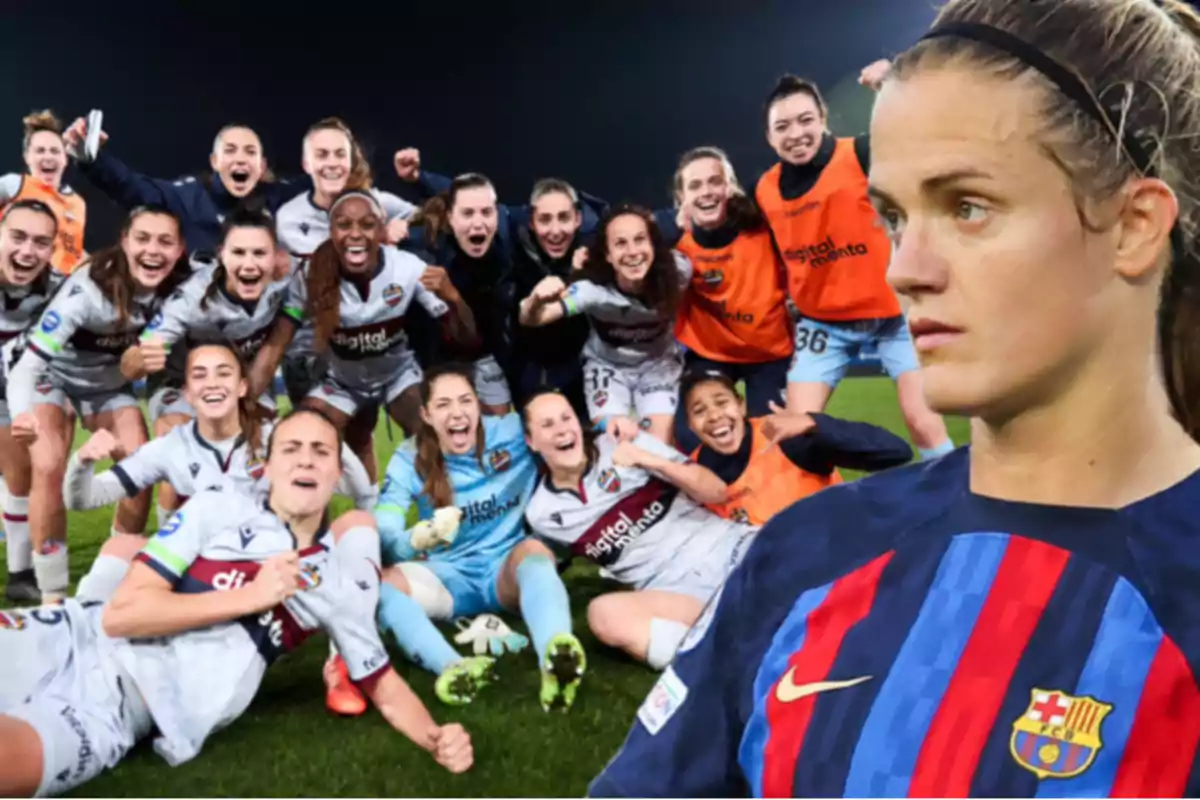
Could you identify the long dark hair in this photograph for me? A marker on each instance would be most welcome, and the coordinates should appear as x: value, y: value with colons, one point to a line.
x: 110, y: 267
x: 660, y: 289
x: 430, y: 461
x: 434, y: 215
x: 590, y: 435
x: 250, y: 413
x: 324, y: 279
x: 242, y: 219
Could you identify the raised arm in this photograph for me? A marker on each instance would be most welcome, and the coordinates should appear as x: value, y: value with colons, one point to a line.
x: 545, y: 304
x: 647, y: 452
x: 127, y: 187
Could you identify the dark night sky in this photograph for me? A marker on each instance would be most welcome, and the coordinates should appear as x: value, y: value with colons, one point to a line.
x: 605, y: 94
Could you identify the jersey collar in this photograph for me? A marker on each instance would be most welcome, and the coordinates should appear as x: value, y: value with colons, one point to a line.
x: 320, y: 543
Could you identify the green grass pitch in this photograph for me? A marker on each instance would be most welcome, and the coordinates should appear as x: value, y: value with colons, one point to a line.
x: 287, y: 745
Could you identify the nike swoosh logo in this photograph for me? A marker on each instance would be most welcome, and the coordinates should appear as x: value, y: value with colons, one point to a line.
x: 788, y: 692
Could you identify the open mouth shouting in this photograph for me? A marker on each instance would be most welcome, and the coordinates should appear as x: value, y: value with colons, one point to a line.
x: 304, y: 483
x: 356, y: 255
x: 248, y: 280
x: 707, y: 205
x: 213, y: 399
x: 152, y: 269
x: 565, y: 443
x: 24, y: 268
x: 801, y: 148
x: 48, y: 171
x: 476, y: 244
x: 240, y: 178
x: 556, y: 243
x: 721, y: 434
x: 460, y: 435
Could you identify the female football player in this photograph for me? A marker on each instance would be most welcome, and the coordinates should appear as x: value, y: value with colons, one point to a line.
x: 478, y: 472
x: 73, y: 361
x: 1020, y: 618
x: 230, y: 584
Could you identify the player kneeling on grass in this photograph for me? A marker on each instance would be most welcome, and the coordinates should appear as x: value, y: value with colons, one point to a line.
x: 226, y: 587
x: 633, y: 508
x: 469, y: 555
x: 222, y: 446
x: 773, y: 461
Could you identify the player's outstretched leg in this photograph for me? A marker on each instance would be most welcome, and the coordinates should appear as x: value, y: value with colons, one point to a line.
x: 530, y: 580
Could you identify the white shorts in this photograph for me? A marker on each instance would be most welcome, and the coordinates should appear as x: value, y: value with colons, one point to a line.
x: 701, y: 573
x: 57, y: 677
x: 490, y: 383
x: 649, y: 388
x: 168, y: 400
x: 350, y: 401
x: 49, y: 392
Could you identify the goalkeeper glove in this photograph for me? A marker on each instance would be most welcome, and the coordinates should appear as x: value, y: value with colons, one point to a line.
x: 487, y: 633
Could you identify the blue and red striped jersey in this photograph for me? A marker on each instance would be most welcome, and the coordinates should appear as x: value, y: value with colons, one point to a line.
x: 901, y: 636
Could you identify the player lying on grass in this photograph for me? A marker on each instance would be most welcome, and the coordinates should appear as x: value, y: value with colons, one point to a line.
x: 771, y: 462
x: 231, y: 583
x: 72, y: 362
x: 1018, y: 618
x: 27, y: 235
x: 222, y: 446
x: 469, y: 555
x: 633, y: 507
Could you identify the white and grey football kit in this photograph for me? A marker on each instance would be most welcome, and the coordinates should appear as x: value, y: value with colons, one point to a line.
x: 191, y: 463
x: 641, y: 530
x: 22, y: 306
x: 73, y: 356
x: 632, y: 363
x: 301, y: 227
x: 91, y: 697
x: 370, y: 359
x: 200, y: 313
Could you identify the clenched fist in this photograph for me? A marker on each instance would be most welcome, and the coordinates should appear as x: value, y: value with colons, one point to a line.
x: 154, y: 353
x: 451, y: 747
x: 100, y: 446
x: 276, y: 581
x: 408, y: 164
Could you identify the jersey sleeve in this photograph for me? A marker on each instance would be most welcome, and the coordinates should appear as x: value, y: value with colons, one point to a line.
x: 355, y: 482
x: 352, y: 624
x: 395, y: 499
x: 655, y: 446
x: 683, y: 265
x: 145, y: 466
x: 430, y: 302
x: 69, y: 311
x: 295, y: 302
x: 10, y: 187
x: 172, y: 321
x: 581, y: 297
x: 395, y: 207
x: 180, y: 541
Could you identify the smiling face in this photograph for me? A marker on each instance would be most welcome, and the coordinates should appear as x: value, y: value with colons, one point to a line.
x: 473, y: 219
x: 26, y: 244
x: 704, y: 192
x: 303, y: 466
x: 555, y: 433
x: 1010, y: 295
x: 214, y: 383
x: 46, y: 158
x: 629, y: 249
x: 152, y: 246
x: 453, y: 414
x: 717, y: 415
x: 237, y: 159
x: 357, y: 232
x: 555, y: 222
x: 795, y: 126
x: 327, y: 160
x: 248, y: 254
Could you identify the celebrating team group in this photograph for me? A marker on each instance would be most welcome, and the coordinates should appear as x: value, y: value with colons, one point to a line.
x: 566, y: 374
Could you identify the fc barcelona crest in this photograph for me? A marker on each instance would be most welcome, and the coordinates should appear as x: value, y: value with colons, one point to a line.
x: 500, y: 460
x: 1058, y: 736
x: 609, y: 480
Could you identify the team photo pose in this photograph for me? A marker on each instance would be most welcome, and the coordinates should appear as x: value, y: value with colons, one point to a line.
x: 27, y: 242
x: 471, y: 475
x: 630, y: 288
x: 1028, y: 604
x: 771, y: 461
x: 735, y: 318
x: 176, y: 654
x: 357, y: 291
x: 72, y: 362
x: 636, y: 508
x: 45, y: 156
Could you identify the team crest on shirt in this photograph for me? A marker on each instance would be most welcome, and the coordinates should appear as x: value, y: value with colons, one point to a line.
x: 600, y: 398
x: 1058, y: 735
x: 255, y: 467
x: 11, y: 621
x: 328, y: 388
x: 740, y: 515
x: 609, y: 480
x: 169, y: 397
x: 712, y: 277
x: 309, y: 578
x: 43, y: 386
x: 500, y: 460
x: 393, y: 294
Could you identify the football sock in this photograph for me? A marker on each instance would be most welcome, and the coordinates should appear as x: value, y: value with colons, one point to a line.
x: 51, y: 567
x: 419, y: 638
x: 544, y: 602
x: 665, y: 636
x: 942, y: 449
x: 16, y: 533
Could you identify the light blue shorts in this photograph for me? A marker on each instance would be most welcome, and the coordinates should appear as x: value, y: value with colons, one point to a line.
x: 825, y: 350
x: 461, y: 588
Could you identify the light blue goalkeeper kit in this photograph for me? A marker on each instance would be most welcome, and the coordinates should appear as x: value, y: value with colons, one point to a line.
x: 492, y: 491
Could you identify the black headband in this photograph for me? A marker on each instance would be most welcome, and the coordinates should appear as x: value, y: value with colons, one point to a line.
x: 1067, y: 81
